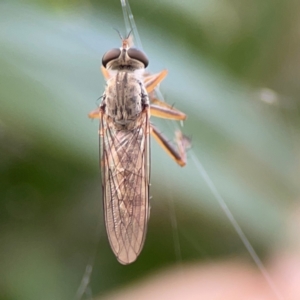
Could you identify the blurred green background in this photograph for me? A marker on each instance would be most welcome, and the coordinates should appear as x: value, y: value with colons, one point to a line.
x: 233, y: 68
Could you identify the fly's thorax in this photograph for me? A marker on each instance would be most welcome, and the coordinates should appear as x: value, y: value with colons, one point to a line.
x: 125, y: 98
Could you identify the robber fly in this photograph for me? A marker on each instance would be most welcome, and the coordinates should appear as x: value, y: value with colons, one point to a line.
x: 127, y: 103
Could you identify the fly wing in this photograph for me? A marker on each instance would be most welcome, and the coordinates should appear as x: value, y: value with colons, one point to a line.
x: 125, y: 182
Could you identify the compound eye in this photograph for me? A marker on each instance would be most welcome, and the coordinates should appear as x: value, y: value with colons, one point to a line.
x: 110, y: 55
x: 139, y: 55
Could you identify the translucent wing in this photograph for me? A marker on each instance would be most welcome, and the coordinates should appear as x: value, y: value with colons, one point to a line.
x: 125, y: 182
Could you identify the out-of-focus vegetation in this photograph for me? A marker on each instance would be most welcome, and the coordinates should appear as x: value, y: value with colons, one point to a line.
x: 233, y: 68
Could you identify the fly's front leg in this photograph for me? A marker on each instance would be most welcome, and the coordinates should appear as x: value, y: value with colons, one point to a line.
x: 179, y: 155
x: 152, y: 81
x: 105, y: 73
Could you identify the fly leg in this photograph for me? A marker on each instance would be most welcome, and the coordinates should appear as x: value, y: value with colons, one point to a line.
x: 159, y: 108
x: 179, y: 154
x: 105, y: 73
x: 98, y: 113
x: 166, y: 111
x: 163, y: 110
x: 152, y: 81
x: 95, y: 114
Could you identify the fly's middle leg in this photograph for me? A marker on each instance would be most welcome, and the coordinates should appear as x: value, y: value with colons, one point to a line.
x: 167, y: 112
x: 95, y: 114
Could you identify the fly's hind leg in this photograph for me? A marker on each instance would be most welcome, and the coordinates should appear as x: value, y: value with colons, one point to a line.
x: 179, y: 154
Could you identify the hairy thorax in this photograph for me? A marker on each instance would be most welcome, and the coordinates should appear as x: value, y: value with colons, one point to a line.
x: 125, y: 97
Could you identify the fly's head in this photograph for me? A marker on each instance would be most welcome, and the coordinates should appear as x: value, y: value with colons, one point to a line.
x: 125, y: 58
